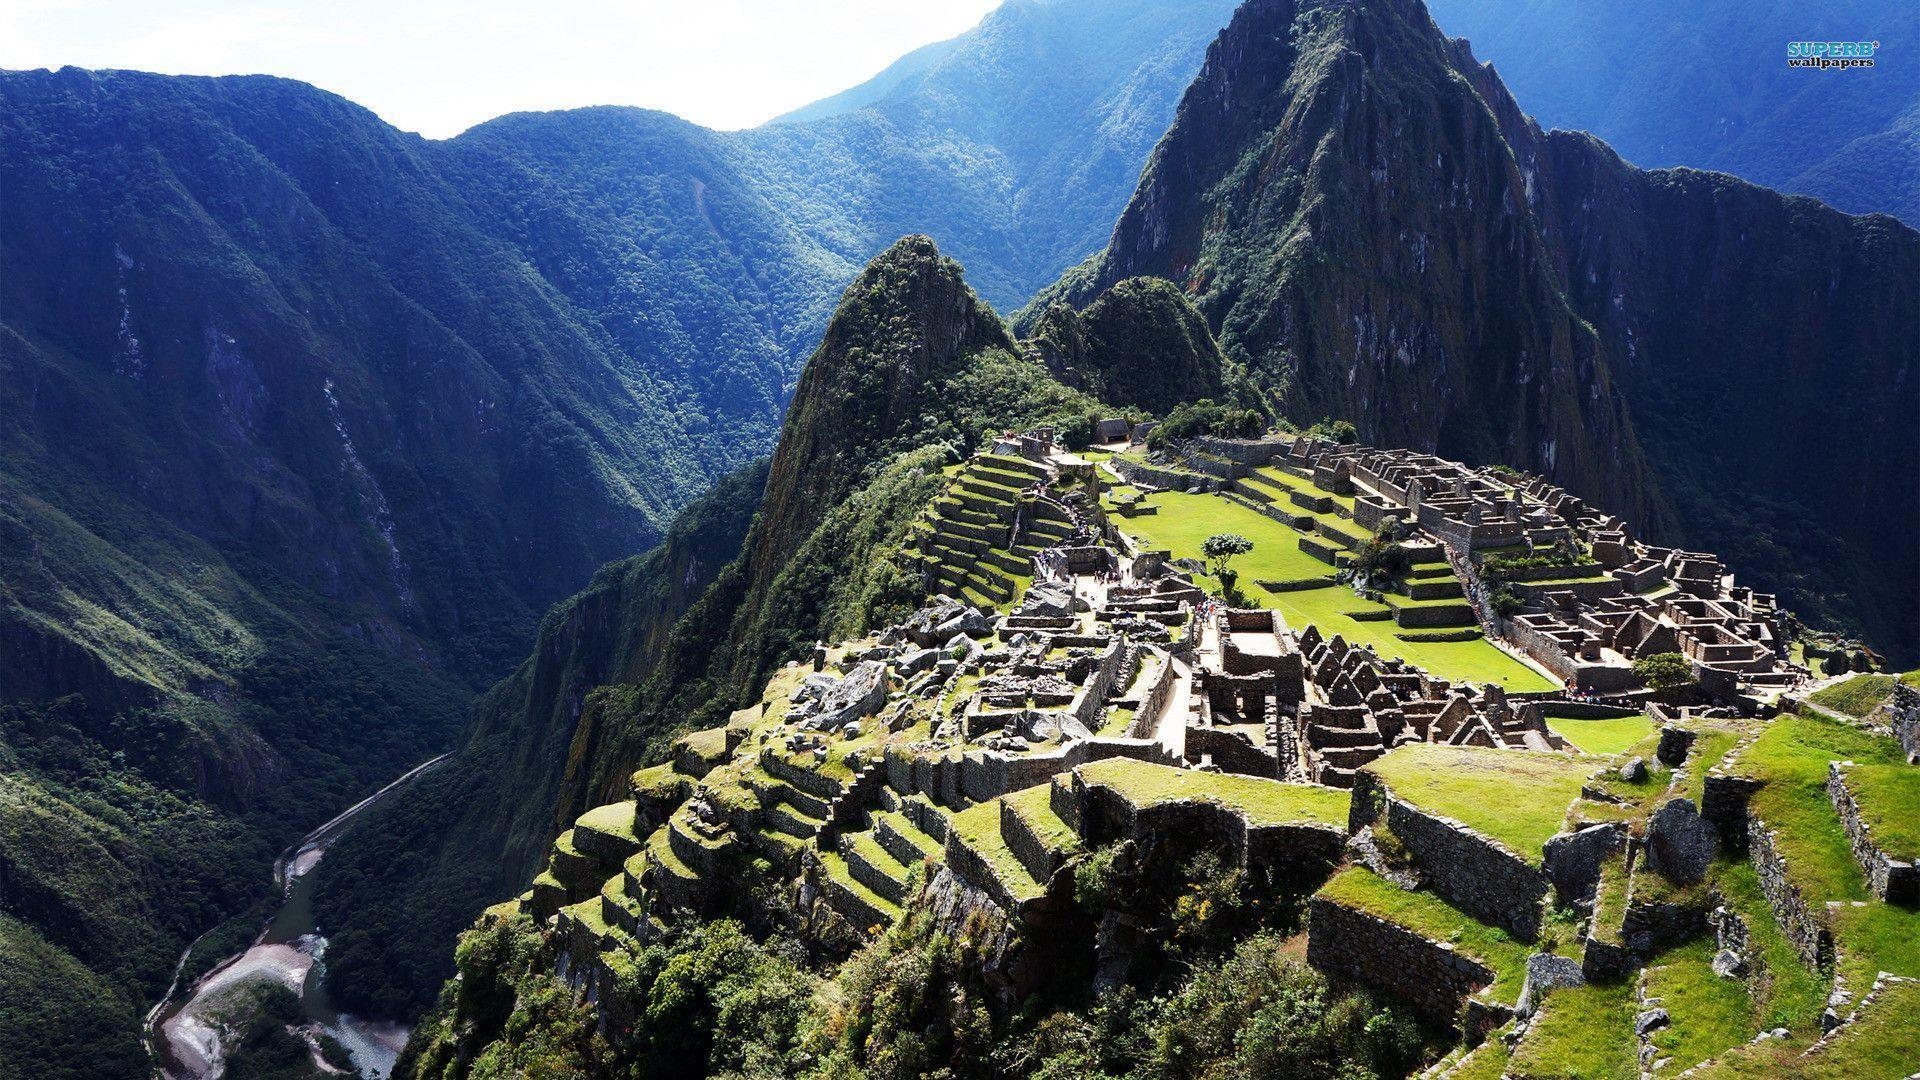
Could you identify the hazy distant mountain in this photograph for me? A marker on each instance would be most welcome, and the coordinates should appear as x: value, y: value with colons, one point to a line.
x: 305, y: 421
x: 1706, y: 83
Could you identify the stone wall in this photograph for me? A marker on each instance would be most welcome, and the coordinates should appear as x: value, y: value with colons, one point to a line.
x: 1135, y: 472
x: 1245, y: 451
x: 1723, y: 801
x: 1804, y: 922
x: 1903, y: 713
x: 1477, y: 874
x: 1350, y: 946
x: 1229, y: 752
x: 1169, y: 833
x: 1890, y: 879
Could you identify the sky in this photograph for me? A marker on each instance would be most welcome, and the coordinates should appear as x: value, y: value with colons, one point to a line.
x: 438, y: 67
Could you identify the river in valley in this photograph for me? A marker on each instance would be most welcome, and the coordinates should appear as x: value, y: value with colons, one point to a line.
x: 191, y: 1030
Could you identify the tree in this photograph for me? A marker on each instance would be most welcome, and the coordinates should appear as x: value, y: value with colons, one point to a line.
x: 1220, y: 548
x: 1665, y: 671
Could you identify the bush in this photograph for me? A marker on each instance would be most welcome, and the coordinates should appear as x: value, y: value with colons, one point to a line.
x: 1665, y: 671
x: 1205, y: 417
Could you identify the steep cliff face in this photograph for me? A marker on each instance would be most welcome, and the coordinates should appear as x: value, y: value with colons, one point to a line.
x: 1351, y: 216
x: 1375, y: 230
x: 1768, y: 351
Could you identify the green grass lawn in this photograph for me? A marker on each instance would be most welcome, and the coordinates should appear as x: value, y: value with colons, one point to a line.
x: 1582, y: 1033
x: 1791, y: 756
x: 1889, y: 801
x: 1710, y: 1014
x: 1873, y: 938
x: 1857, y: 696
x: 1518, y: 797
x: 1265, y: 802
x: 1614, y: 735
x: 1883, y: 1043
x: 1790, y: 996
x: 1183, y: 521
x: 1435, y: 919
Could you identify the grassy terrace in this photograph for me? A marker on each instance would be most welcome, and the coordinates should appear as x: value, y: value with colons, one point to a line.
x: 1582, y: 1033
x: 1889, y: 801
x: 1435, y: 919
x: 1876, y: 937
x: 1518, y: 797
x: 1034, y: 807
x: 1711, y: 745
x: 1183, y: 521
x: 1885, y: 1042
x: 1614, y: 735
x: 1790, y: 996
x: 978, y: 827
x: 1791, y: 756
x: 1859, y: 695
x: 1710, y: 1014
x: 1264, y: 802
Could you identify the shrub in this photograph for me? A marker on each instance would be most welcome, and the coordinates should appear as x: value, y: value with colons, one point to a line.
x: 1665, y: 671
x: 1220, y: 548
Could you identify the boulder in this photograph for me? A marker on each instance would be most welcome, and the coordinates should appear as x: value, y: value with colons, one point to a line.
x: 915, y: 661
x: 1680, y: 843
x: 1729, y: 964
x: 1546, y: 973
x: 1650, y: 1020
x: 858, y: 695
x: 1634, y: 771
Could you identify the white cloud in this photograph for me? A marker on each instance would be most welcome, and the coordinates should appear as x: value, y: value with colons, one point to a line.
x: 438, y: 68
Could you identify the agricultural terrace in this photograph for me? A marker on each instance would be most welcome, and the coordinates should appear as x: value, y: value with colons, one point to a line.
x: 1518, y: 797
x: 1180, y: 522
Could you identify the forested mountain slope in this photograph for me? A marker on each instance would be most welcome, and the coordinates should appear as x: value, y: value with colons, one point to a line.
x: 305, y: 421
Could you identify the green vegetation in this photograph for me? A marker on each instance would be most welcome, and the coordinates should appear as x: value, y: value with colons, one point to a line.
x: 1605, y: 736
x: 1264, y: 802
x: 1433, y: 918
x: 1220, y: 548
x: 1884, y: 1042
x: 1582, y: 1033
x: 1876, y: 937
x: 1889, y: 801
x: 1709, y: 1014
x: 1206, y: 417
x: 1665, y: 671
x: 1857, y: 696
x: 1183, y: 522
x: 1517, y: 797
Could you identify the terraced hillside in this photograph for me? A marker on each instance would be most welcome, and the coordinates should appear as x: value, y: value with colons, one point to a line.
x: 1041, y: 757
x: 978, y: 540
